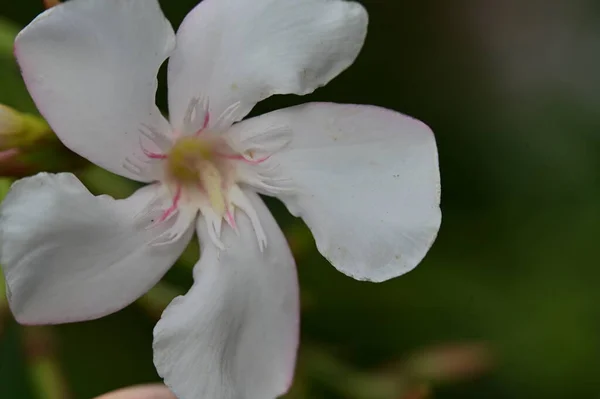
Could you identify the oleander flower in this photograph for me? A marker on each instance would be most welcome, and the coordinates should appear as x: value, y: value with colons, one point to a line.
x: 363, y: 178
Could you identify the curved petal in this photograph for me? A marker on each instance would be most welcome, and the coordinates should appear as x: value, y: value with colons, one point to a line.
x: 235, y: 333
x: 238, y: 52
x: 364, y: 179
x: 91, y: 66
x: 68, y: 255
x: 150, y: 391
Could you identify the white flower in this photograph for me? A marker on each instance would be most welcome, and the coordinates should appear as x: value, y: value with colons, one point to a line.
x: 363, y: 178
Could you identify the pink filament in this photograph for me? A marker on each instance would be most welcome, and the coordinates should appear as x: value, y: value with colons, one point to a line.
x: 173, y: 207
x: 150, y: 154
x: 153, y: 155
x: 205, y: 124
x: 230, y: 219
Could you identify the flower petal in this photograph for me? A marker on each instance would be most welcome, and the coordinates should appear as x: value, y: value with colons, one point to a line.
x: 235, y: 333
x: 68, y: 255
x: 238, y: 52
x: 364, y: 179
x: 149, y: 391
x: 91, y: 67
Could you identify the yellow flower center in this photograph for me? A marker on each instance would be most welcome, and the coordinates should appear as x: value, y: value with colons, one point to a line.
x: 195, y: 162
x: 185, y: 159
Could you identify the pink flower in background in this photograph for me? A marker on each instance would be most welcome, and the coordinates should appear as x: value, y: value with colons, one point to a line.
x: 364, y: 179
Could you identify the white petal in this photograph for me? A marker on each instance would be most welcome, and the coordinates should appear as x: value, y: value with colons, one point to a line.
x: 91, y: 66
x: 239, y: 52
x: 235, y: 333
x: 364, y: 179
x: 68, y: 255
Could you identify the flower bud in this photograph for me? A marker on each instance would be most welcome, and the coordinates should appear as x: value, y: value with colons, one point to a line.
x: 19, y: 130
x: 51, y: 3
x: 453, y: 362
x: 10, y: 120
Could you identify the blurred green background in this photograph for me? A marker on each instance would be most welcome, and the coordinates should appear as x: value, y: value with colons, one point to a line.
x: 506, y: 303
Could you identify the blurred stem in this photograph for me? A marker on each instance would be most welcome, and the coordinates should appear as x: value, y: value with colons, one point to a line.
x: 421, y: 391
x: 4, y: 310
x: 349, y: 382
x: 44, y: 367
x: 3, y: 299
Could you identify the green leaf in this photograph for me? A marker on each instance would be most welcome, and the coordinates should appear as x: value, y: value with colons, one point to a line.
x: 14, y: 378
x: 8, y: 31
x: 112, y: 352
x: 14, y: 92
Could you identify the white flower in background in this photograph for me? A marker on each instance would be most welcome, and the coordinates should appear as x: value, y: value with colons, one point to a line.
x: 364, y: 179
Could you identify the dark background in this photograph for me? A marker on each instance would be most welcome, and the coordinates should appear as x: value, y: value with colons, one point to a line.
x: 509, y: 290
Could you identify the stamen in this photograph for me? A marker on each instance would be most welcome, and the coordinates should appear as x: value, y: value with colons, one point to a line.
x: 239, y: 199
x: 153, y: 155
x: 166, y: 238
x: 192, y: 115
x: 206, y: 119
x: 212, y: 182
x: 189, y: 112
x: 173, y: 207
x: 176, y: 231
x: 150, y: 154
x: 231, y: 219
x: 213, y: 224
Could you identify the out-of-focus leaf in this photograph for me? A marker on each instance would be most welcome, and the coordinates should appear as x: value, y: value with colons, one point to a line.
x: 13, y: 91
x: 100, y: 181
x: 102, y: 355
x: 44, y: 369
x: 19, y: 129
x: 8, y: 31
x: 14, y: 377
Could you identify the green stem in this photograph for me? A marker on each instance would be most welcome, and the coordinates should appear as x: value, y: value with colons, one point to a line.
x: 46, y: 374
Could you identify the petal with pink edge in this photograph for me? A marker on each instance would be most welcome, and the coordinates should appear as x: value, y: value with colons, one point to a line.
x: 91, y: 66
x: 364, y: 179
x: 68, y: 255
x: 235, y: 333
x: 236, y: 53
